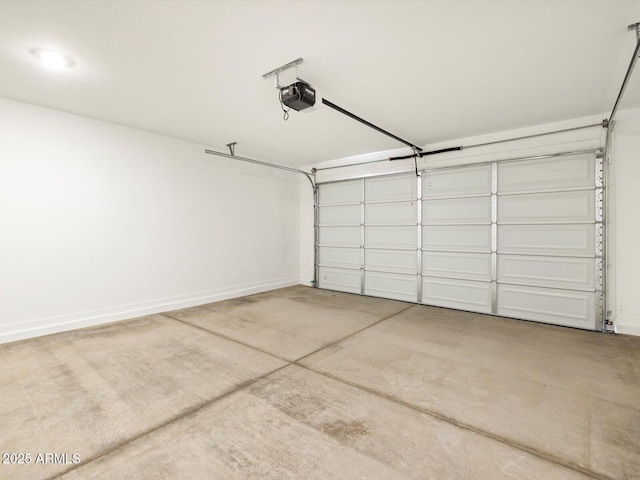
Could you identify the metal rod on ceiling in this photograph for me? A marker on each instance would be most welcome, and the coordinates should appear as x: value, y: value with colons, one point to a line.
x: 369, y: 124
x: 627, y: 76
x: 264, y: 164
x: 604, y: 123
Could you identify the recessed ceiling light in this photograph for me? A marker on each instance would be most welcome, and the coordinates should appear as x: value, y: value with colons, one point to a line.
x: 52, y: 59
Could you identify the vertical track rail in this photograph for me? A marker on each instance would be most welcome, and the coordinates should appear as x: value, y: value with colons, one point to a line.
x: 363, y: 253
x: 494, y: 238
x: 419, y: 238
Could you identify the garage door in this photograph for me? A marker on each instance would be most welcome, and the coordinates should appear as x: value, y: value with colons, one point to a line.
x: 521, y: 239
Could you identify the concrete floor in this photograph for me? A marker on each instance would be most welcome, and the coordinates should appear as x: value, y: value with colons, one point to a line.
x: 309, y: 384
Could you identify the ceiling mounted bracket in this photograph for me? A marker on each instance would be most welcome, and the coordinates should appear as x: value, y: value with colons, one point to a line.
x: 277, y: 71
x: 636, y: 27
x: 232, y: 148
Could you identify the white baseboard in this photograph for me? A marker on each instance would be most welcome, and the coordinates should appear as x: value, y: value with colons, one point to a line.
x: 72, y: 321
x: 628, y: 325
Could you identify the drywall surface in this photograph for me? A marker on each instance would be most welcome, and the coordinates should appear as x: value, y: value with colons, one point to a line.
x: 102, y: 222
x: 625, y: 158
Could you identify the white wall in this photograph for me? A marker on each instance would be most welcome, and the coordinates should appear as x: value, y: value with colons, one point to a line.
x: 102, y: 222
x: 625, y: 158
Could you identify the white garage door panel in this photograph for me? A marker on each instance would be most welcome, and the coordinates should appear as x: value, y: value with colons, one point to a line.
x: 341, y: 192
x: 342, y: 215
x: 553, y: 173
x: 391, y: 213
x: 391, y: 237
x: 462, y: 238
x: 521, y: 239
x: 549, y: 240
x: 391, y: 285
x: 461, y: 294
x: 399, y: 261
x: 458, y: 182
x: 457, y: 211
x: 556, y: 272
x: 338, y: 279
x: 561, y: 307
x: 340, y: 236
x: 401, y: 187
x: 557, y: 207
x: 339, y: 257
x: 466, y: 266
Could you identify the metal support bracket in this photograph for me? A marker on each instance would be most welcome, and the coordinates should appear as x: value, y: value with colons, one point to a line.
x: 636, y: 27
x: 599, y: 273
x: 599, y: 240
x: 600, y: 310
x: 277, y: 71
x: 416, y: 154
x: 232, y: 148
x: 599, y: 204
x: 599, y: 170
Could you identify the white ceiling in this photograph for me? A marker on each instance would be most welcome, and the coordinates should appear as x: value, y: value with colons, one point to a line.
x: 427, y: 71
